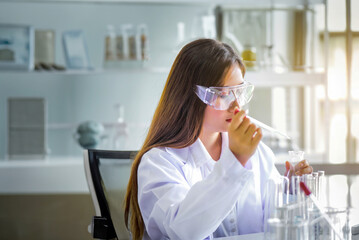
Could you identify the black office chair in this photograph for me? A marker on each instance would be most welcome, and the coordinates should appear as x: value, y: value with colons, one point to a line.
x: 107, y: 174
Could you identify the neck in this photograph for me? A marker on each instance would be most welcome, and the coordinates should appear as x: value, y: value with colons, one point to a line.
x: 212, y: 141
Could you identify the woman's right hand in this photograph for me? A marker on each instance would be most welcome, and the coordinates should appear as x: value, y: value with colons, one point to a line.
x: 244, y: 136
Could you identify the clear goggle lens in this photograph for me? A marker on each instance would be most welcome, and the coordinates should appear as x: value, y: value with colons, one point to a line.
x: 222, y: 98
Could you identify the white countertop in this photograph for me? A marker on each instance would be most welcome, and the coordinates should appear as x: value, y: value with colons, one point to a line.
x: 253, y: 236
x: 54, y: 175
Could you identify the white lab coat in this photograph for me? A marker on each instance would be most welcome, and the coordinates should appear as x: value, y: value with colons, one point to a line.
x: 185, y: 194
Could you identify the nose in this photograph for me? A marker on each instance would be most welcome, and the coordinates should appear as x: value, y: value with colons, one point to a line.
x: 233, y: 105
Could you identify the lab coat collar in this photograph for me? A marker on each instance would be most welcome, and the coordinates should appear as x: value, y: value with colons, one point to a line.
x: 200, y: 153
x: 180, y: 154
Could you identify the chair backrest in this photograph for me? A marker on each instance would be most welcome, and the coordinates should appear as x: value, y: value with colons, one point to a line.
x: 107, y: 174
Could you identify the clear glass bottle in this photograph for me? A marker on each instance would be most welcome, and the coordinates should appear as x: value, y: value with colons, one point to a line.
x: 249, y: 56
x: 130, y: 43
x: 142, y: 38
x: 121, y: 132
x: 110, y: 44
x: 120, y: 51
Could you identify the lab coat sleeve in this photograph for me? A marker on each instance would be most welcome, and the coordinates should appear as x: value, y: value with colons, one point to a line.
x: 172, y: 208
x: 268, y: 162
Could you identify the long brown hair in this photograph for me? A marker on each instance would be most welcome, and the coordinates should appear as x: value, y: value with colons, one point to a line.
x: 177, y: 121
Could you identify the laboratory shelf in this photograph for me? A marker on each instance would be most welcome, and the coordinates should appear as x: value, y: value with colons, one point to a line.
x: 258, y: 78
x: 259, y: 3
x: 86, y: 72
x: 288, y: 79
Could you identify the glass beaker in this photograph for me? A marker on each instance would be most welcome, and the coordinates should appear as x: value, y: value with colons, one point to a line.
x: 276, y: 199
x: 320, y: 229
x: 296, y: 157
x: 284, y: 230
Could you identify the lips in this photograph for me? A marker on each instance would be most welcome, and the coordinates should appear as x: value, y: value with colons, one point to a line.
x: 229, y: 120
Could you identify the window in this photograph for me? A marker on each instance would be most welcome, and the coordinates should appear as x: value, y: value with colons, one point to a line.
x: 343, y: 88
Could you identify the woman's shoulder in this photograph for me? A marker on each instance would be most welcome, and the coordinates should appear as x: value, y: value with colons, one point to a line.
x: 166, y: 155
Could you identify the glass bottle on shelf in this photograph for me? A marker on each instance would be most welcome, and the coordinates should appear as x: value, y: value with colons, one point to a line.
x: 110, y: 44
x: 130, y: 43
x: 142, y: 38
x: 267, y: 57
x: 249, y: 56
x: 120, y: 44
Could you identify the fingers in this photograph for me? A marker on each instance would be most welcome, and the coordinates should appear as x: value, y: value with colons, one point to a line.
x: 300, y: 169
x: 306, y: 170
x: 244, y: 125
x: 237, y: 120
x: 301, y: 165
x: 251, y: 129
x: 289, y: 172
x: 287, y: 168
x: 243, y: 136
x: 257, y: 137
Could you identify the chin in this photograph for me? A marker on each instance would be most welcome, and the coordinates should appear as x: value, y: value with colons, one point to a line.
x: 224, y: 129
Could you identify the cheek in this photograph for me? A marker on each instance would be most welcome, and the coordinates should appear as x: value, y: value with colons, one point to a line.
x: 214, y: 119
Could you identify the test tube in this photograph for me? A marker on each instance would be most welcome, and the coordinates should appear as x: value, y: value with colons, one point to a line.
x: 323, y: 214
x: 310, y: 182
x: 297, y: 198
x: 321, y: 193
x: 315, y: 189
x: 313, y: 213
x: 295, y: 188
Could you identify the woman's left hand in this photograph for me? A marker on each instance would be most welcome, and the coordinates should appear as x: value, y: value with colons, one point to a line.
x: 301, y: 168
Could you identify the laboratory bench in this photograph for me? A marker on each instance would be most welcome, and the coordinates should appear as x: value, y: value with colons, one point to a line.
x: 44, y: 199
x: 53, y: 175
x: 260, y: 236
x: 52, y: 194
x: 65, y: 174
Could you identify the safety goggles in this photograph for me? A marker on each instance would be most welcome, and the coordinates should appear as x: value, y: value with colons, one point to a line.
x: 222, y: 98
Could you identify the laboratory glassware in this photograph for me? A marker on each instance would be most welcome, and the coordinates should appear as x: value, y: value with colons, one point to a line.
x: 322, y: 212
x: 121, y: 131
x: 287, y: 230
x: 276, y: 198
x: 296, y: 157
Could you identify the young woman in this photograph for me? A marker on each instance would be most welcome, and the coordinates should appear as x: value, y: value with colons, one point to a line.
x: 202, y: 170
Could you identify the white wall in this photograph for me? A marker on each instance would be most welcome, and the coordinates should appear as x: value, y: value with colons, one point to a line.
x: 73, y: 98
